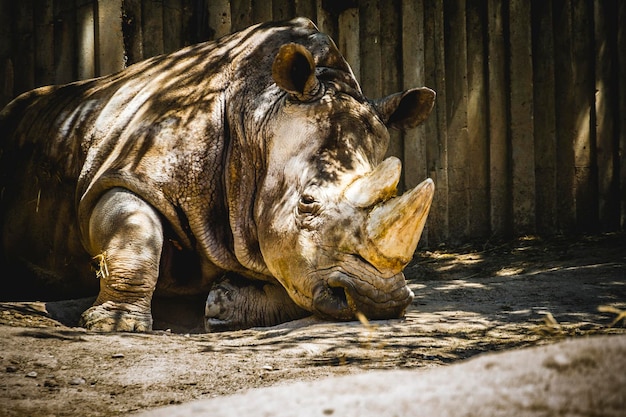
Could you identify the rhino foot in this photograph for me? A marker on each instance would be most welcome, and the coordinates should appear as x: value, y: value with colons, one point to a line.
x: 236, y: 303
x: 109, y: 318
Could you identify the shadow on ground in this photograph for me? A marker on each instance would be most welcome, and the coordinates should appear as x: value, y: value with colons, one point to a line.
x: 470, y: 300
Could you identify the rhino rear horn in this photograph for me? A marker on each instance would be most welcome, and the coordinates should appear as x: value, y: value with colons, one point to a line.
x: 379, y: 185
x: 294, y: 71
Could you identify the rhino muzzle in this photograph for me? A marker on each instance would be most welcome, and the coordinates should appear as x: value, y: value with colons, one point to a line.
x: 342, y: 295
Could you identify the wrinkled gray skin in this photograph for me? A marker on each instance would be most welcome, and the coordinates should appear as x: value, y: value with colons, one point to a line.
x: 249, y: 169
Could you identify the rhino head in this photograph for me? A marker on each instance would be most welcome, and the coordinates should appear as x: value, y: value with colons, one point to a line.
x: 330, y: 226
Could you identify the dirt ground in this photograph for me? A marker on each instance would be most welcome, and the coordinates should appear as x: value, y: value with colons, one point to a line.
x: 469, y: 300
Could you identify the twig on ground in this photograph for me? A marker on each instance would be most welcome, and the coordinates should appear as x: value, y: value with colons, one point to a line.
x: 621, y: 314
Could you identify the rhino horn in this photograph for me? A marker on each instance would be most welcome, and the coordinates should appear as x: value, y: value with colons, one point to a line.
x: 379, y: 185
x: 394, y: 227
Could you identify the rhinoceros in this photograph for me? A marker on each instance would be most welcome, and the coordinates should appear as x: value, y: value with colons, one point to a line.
x: 250, y: 170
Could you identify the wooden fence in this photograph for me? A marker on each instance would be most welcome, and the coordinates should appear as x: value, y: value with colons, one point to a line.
x: 529, y: 130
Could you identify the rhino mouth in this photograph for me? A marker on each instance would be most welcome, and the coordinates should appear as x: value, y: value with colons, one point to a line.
x: 342, y: 295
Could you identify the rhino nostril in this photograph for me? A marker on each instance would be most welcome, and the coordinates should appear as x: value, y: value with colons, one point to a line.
x: 332, y: 302
x: 339, y: 293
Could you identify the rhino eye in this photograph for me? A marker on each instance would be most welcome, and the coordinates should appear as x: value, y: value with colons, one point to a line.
x: 307, y: 204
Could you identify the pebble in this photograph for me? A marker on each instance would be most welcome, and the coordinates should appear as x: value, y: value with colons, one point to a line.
x: 558, y: 362
x: 117, y: 355
x: 267, y: 368
x: 32, y: 374
x: 77, y: 381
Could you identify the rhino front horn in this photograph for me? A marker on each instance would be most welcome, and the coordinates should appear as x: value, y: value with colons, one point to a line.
x: 394, y: 227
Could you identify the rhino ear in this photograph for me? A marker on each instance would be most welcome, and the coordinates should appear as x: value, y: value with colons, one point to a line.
x: 294, y: 71
x: 407, y: 109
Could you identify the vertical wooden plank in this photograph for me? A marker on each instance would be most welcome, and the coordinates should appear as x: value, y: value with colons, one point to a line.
x: 110, y: 49
x: 435, y: 127
x: 262, y: 10
x: 219, y: 17
x: 6, y: 61
x: 86, y: 39
x: 565, y: 115
x: 64, y: 41
x: 586, y: 192
x: 326, y: 21
x: 413, y: 75
x: 391, y: 55
x: 306, y: 8
x: 370, y: 48
x: 499, y: 190
x: 478, y: 172
x: 415, y: 163
x: 172, y: 25
x: 521, y: 118
x: 348, y: 39
x: 283, y: 9
x: 621, y: 59
x: 152, y: 27
x: 190, y: 28
x: 241, y: 14
x: 456, y: 110
x: 133, y: 32
x: 606, y: 110
x: 544, y: 116
x: 24, y: 52
x: 196, y: 21
x: 44, y: 42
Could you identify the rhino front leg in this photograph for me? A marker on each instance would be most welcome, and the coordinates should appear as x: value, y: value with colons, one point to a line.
x: 126, y: 235
x: 235, y: 303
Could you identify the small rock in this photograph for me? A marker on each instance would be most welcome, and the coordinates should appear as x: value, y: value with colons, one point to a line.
x: 117, y: 355
x: 32, y: 374
x: 11, y: 369
x: 77, y: 381
x: 558, y: 362
x: 267, y: 368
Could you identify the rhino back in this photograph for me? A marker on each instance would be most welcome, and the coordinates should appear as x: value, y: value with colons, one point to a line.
x: 63, y: 146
